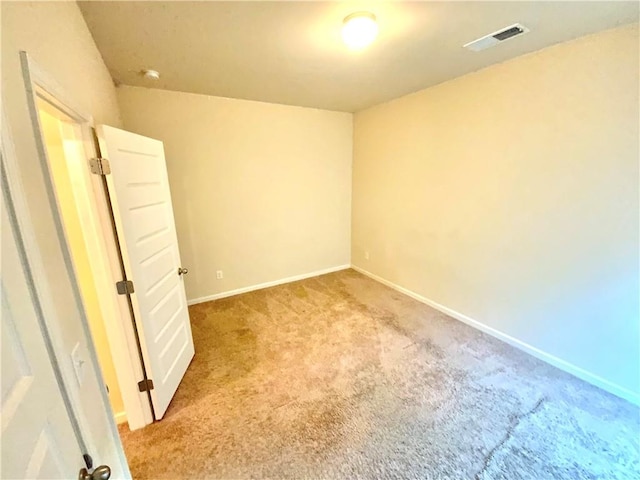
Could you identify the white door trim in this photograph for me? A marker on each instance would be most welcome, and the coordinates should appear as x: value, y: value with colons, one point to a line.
x: 105, y: 267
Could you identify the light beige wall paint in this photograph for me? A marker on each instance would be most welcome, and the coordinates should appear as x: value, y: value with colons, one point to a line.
x: 511, y: 196
x: 73, y: 229
x: 260, y: 191
x: 56, y: 37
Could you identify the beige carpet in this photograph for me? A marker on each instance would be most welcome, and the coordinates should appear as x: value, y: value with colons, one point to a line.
x: 340, y: 377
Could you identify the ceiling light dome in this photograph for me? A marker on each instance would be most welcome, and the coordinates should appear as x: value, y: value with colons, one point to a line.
x: 359, y: 30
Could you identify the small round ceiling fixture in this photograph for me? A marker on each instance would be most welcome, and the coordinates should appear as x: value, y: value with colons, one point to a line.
x: 151, y: 74
x: 359, y: 30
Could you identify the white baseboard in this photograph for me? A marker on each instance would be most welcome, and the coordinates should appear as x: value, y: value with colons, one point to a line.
x: 121, y: 417
x: 589, y: 377
x: 260, y: 286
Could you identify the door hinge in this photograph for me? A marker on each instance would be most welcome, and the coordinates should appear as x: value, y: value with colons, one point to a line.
x: 100, y: 166
x: 125, y: 287
x: 145, y: 385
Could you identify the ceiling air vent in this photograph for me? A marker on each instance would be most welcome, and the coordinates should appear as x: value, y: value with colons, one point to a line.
x: 496, y: 37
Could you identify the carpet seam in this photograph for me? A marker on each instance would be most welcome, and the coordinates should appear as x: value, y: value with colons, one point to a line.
x: 508, y: 435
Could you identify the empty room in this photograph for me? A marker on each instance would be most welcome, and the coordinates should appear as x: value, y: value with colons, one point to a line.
x: 320, y: 240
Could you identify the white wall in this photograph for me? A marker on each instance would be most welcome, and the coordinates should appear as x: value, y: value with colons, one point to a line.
x: 510, y: 195
x: 260, y: 191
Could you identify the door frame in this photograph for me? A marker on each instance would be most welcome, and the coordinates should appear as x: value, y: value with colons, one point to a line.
x: 21, y: 227
x: 50, y: 330
x: 103, y: 253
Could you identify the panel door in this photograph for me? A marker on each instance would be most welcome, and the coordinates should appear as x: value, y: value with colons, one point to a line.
x: 38, y: 440
x: 139, y: 191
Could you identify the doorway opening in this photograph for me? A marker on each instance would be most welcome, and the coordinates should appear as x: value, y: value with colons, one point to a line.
x: 67, y: 159
x: 114, y: 220
x: 96, y: 260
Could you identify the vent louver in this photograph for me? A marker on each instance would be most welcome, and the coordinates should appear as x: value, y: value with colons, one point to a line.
x: 496, y: 37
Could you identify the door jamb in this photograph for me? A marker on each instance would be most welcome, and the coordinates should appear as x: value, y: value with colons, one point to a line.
x: 104, y: 267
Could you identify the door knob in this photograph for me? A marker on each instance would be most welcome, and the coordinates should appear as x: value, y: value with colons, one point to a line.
x: 182, y: 271
x: 102, y: 472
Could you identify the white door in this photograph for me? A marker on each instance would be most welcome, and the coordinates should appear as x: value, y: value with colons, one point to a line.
x: 38, y: 440
x: 139, y: 191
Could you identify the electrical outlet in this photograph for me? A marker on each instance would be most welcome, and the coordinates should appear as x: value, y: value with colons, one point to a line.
x: 219, y: 274
x: 366, y: 255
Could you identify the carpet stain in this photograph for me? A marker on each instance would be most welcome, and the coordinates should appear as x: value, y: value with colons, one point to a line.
x: 340, y: 377
x: 319, y: 425
x: 299, y: 291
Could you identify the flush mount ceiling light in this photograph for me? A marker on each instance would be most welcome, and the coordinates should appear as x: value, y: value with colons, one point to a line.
x: 359, y: 30
x: 151, y: 74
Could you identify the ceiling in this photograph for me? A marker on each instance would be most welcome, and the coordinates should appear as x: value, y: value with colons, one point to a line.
x: 292, y: 52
